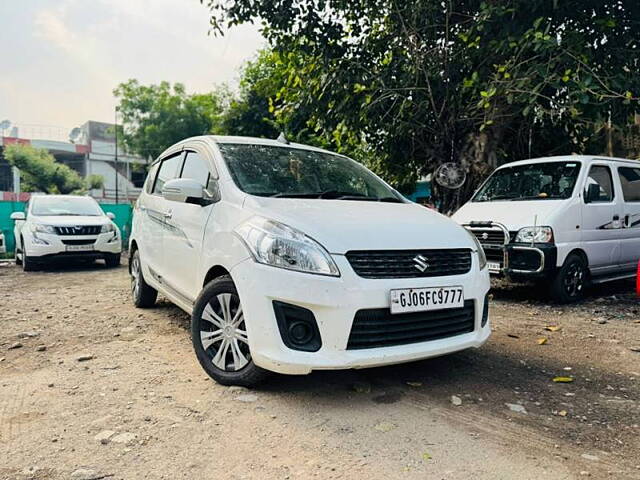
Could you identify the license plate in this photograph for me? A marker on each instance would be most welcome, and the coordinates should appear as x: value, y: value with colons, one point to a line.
x: 494, y: 267
x: 422, y: 299
x: 79, y: 248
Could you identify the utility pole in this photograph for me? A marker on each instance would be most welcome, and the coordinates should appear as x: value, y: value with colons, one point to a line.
x: 116, y: 150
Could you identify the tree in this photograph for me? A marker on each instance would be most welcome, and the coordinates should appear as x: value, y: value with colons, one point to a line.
x: 413, y: 84
x: 39, y: 171
x: 157, y: 116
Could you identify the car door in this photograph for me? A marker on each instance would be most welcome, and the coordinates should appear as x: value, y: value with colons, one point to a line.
x: 629, y: 177
x: 601, y: 221
x: 182, y: 242
x: 155, y: 210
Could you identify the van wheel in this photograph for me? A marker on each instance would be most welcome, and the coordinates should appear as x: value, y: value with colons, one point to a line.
x: 219, y: 336
x: 143, y: 295
x: 18, y: 258
x: 571, y: 280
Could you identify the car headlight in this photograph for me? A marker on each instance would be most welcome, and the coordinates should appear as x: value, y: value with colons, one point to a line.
x: 273, y: 243
x: 42, y: 228
x: 535, y: 235
x: 482, y: 257
x: 107, y: 227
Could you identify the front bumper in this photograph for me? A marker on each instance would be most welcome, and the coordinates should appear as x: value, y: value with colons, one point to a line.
x: 101, y: 244
x: 334, y: 302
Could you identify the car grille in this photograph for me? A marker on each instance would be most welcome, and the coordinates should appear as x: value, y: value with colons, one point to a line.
x: 89, y: 241
x: 402, y: 263
x: 488, y: 236
x: 379, y: 328
x: 79, y: 230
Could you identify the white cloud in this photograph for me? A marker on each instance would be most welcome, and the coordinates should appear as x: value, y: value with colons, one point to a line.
x: 72, y: 53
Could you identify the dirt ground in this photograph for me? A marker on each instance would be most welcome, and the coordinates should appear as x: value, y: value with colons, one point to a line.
x: 92, y: 388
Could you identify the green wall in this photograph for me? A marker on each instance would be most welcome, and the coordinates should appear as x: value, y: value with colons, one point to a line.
x: 123, y: 213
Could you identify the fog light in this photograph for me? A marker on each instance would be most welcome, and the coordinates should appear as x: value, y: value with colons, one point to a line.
x: 298, y: 327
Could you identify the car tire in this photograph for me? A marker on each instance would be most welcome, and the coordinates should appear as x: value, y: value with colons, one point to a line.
x: 112, y: 260
x: 18, y: 259
x: 225, y: 357
x: 27, y: 265
x: 144, y: 296
x: 571, y: 280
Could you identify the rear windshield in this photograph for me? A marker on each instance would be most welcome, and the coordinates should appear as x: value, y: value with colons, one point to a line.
x: 68, y: 206
x: 533, y: 181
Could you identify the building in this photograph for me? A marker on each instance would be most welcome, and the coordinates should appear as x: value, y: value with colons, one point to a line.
x: 91, y: 150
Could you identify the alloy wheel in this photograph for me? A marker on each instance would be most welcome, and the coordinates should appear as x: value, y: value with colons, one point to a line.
x: 135, y: 276
x: 223, y: 333
x: 574, y: 280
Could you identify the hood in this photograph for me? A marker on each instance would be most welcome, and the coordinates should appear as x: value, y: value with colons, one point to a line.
x: 70, y: 220
x: 513, y: 215
x: 344, y: 225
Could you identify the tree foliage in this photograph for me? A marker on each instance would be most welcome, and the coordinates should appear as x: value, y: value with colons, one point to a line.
x: 412, y: 84
x: 157, y: 116
x: 39, y: 172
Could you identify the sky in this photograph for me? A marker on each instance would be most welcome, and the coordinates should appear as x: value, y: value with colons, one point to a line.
x: 61, y: 59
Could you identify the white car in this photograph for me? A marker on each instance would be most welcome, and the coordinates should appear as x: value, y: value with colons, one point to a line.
x: 63, y: 227
x: 565, y: 221
x: 3, y: 244
x: 291, y: 259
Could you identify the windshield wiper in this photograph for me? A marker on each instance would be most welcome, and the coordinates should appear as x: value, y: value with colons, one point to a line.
x: 534, y: 197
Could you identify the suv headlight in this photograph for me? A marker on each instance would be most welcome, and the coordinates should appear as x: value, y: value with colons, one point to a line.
x: 535, y: 235
x: 482, y: 257
x: 42, y: 228
x: 107, y: 227
x: 273, y: 243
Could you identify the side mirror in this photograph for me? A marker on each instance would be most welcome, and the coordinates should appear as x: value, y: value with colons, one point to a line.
x: 18, y: 216
x: 592, y: 193
x: 183, y: 190
x: 111, y: 215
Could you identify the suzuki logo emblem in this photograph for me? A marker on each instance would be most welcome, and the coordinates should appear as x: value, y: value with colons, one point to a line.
x: 485, y: 235
x: 421, y: 263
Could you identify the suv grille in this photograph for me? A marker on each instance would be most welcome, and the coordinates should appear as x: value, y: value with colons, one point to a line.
x: 402, y: 263
x: 377, y: 327
x: 79, y: 230
x: 493, y: 237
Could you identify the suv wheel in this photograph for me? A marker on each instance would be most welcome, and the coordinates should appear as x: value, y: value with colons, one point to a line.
x: 112, y: 260
x: 219, y: 336
x: 143, y: 295
x: 27, y: 265
x: 571, y: 281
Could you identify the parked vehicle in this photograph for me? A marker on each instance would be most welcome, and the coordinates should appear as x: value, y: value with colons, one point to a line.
x: 3, y: 244
x: 291, y: 259
x: 566, y: 220
x: 63, y: 227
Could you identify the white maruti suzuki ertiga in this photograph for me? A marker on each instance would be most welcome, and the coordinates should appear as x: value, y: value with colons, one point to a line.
x: 290, y: 259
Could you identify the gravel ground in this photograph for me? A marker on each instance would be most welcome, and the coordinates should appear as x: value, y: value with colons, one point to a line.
x: 93, y: 388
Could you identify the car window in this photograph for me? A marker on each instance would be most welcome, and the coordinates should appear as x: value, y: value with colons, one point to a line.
x: 151, y: 176
x: 196, y: 168
x: 601, y: 176
x: 168, y: 171
x: 630, y: 180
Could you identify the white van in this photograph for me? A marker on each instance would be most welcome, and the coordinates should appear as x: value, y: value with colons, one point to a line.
x: 291, y: 259
x: 567, y: 220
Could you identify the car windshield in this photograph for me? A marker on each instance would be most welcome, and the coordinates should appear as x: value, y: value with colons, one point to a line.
x: 533, y: 181
x: 272, y: 171
x: 48, y: 206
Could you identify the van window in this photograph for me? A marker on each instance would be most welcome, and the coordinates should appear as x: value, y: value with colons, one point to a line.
x: 630, y: 180
x: 601, y: 176
x: 169, y: 169
x: 195, y: 167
